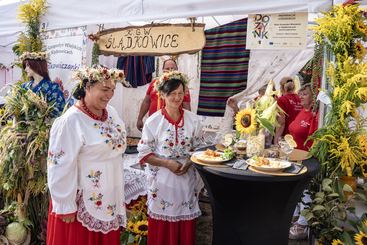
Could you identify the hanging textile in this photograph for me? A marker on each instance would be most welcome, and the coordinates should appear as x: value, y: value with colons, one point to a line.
x: 137, y: 69
x: 224, y: 67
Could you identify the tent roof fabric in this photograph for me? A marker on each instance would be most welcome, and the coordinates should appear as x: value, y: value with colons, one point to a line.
x: 71, y: 13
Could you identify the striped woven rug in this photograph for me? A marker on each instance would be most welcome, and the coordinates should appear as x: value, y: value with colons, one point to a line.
x: 224, y: 67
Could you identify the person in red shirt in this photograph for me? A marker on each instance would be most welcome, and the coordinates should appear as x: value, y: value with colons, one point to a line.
x: 305, y: 123
x: 290, y: 104
x: 150, y: 102
x: 303, y: 126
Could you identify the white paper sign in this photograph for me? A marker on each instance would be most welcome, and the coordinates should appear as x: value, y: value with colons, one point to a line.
x: 277, y: 31
x: 67, y: 52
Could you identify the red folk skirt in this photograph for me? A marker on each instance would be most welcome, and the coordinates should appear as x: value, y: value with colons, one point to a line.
x: 61, y: 233
x: 162, y: 232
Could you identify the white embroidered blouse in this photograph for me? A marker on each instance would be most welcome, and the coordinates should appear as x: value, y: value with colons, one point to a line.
x: 171, y: 197
x: 84, y: 169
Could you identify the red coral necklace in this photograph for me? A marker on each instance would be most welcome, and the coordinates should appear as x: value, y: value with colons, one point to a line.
x: 85, y: 109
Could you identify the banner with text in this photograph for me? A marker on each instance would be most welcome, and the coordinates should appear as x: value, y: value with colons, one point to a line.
x: 67, y: 52
x: 154, y: 39
x: 277, y: 31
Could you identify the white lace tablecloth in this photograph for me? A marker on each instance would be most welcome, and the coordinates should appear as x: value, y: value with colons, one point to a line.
x: 135, y: 179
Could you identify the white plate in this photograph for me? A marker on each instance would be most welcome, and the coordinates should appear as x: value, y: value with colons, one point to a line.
x: 280, y: 165
x: 201, y: 157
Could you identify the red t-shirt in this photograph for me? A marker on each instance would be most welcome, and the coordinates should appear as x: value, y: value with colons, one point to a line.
x: 290, y: 104
x: 304, y: 125
x: 152, y: 93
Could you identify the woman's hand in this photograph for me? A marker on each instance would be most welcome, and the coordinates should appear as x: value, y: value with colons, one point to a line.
x: 173, y: 166
x: 233, y: 104
x: 185, y: 167
x: 68, y: 218
x: 139, y: 124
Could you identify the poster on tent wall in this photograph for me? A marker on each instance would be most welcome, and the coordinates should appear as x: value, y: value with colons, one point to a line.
x: 277, y: 31
x: 154, y: 39
x: 67, y: 53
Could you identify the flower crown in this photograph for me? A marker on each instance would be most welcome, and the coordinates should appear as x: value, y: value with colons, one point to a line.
x: 100, y: 73
x: 169, y: 76
x: 33, y: 56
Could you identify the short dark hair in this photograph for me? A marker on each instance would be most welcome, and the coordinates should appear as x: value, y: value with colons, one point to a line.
x: 171, y: 85
x: 38, y: 66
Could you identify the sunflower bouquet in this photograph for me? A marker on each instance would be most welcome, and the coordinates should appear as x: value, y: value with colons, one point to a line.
x: 136, y: 231
x: 252, y: 122
x: 263, y: 115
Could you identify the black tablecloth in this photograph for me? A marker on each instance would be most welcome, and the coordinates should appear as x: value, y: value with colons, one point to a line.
x: 252, y: 208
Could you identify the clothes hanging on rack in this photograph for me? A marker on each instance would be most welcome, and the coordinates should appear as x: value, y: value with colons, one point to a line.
x: 137, y: 69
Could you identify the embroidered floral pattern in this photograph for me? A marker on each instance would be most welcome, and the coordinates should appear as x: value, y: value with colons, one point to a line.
x: 111, y: 209
x: 112, y: 132
x: 153, y: 170
x: 188, y: 204
x: 165, y: 204
x: 94, y: 224
x: 95, y: 177
x: 53, y: 158
x: 178, y: 149
x: 97, y: 199
x: 153, y: 192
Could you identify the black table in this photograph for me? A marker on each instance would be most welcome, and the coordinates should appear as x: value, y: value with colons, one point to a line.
x: 252, y: 208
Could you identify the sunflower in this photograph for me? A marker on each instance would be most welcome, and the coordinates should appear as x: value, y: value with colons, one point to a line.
x: 360, y: 238
x: 363, y: 167
x: 337, y: 242
x: 246, y: 121
x: 130, y: 226
x: 362, y: 139
x: 141, y: 227
x: 359, y: 50
x: 365, y: 222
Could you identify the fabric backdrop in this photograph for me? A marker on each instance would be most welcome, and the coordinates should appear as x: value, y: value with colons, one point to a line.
x: 224, y: 67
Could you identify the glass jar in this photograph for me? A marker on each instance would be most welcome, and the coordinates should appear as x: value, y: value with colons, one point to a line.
x: 255, y: 145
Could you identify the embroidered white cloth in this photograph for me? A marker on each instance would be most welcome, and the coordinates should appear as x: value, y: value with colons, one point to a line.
x: 135, y: 184
x: 85, y: 155
x: 171, y: 197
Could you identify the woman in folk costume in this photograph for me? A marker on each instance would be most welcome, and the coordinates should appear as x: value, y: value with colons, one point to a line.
x: 168, y: 138
x: 85, y: 175
x: 35, y: 65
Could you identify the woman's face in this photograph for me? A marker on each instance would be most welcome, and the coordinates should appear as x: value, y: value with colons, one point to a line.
x: 100, y: 94
x: 306, y: 97
x: 175, y: 98
x: 29, y: 71
x: 169, y: 65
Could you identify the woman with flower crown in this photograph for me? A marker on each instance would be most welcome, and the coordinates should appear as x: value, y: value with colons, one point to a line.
x: 35, y: 65
x: 168, y: 138
x: 84, y: 165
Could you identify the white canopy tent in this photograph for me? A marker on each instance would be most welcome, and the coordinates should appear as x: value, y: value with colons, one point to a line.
x: 72, y: 13
x: 69, y: 13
